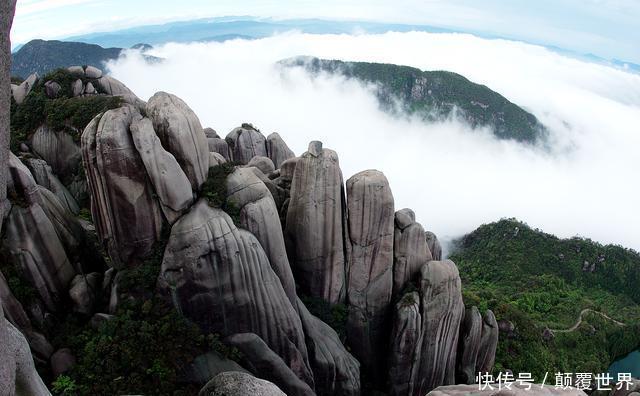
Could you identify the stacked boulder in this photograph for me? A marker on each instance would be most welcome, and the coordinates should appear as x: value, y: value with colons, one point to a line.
x: 284, y: 230
x: 145, y: 174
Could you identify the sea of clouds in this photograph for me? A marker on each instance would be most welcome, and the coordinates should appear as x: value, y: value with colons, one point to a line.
x: 587, y: 182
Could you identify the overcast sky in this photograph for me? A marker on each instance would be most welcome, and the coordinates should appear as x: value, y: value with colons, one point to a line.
x: 608, y: 28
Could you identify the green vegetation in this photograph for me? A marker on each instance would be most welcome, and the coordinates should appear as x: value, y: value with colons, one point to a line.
x: 214, y: 190
x: 334, y: 315
x: 537, y: 281
x: 64, y: 385
x: 19, y: 286
x: 64, y: 113
x: 434, y: 95
x: 143, y: 349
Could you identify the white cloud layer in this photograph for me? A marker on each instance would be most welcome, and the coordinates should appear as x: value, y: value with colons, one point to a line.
x: 454, y: 178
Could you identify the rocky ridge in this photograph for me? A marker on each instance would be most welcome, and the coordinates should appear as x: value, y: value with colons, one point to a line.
x: 248, y: 231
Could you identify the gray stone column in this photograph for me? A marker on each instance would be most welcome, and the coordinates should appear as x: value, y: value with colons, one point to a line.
x: 7, y: 9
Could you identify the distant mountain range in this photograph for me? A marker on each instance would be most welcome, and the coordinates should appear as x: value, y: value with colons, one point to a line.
x: 433, y: 95
x: 224, y: 28
x: 248, y: 27
x: 42, y: 56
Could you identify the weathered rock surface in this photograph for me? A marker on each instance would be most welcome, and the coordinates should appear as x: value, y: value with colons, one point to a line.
x: 315, y: 232
x: 89, y: 89
x: 169, y: 181
x: 43, y: 174
x: 216, y: 159
x: 92, y: 72
x: 62, y: 361
x: 205, y: 367
x: 405, y: 340
x: 434, y: 245
x: 278, y: 150
x: 488, y: 343
x: 52, y: 89
x: 335, y: 371
x: 210, y: 133
x: 84, y: 291
x: 288, y: 168
x: 263, y: 163
x: 266, y: 364
x: 21, y: 91
x: 631, y: 388
x: 67, y: 227
x: 77, y: 88
x: 113, y: 87
x: 32, y: 240
x: 78, y: 71
x: 469, y: 342
x: 233, y: 383
x: 220, y: 146
x: 410, y: 249
x: 371, y: 224
x: 442, y: 310
x: 246, y: 142
x: 58, y: 149
x: 16, y: 314
x: 220, y: 277
x: 181, y: 134
x: 18, y: 374
x: 516, y: 390
x: 259, y: 215
x: 127, y: 216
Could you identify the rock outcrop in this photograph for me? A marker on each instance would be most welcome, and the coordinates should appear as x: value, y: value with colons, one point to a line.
x: 220, y: 277
x: 336, y: 371
x: 278, y: 150
x: 434, y: 245
x: 246, y: 142
x: 296, y: 231
x: 181, y: 134
x: 425, y: 332
x: 21, y: 91
x: 266, y: 364
x: 515, y: 390
x: 315, y: 225
x: 44, y: 176
x: 259, y: 215
x: 442, y: 307
x: 33, y: 241
x: 263, y: 163
x: 469, y: 342
x: 220, y: 146
x: 371, y: 218
x: 404, y: 354
x: 233, y: 383
x: 113, y: 87
x: 58, y: 149
x: 18, y: 374
x: 127, y: 216
x: 169, y: 181
x: 7, y: 9
x: 410, y: 249
x: 488, y: 343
